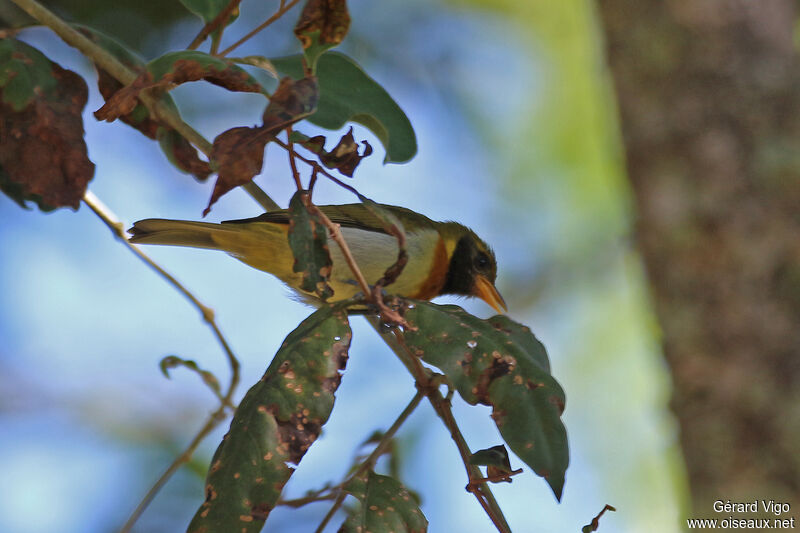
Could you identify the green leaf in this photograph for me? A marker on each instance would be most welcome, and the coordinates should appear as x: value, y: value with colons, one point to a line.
x: 386, y: 506
x: 308, y: 239
x: 24, y: 70
x: 275, y: 424
x: 348, y: 94
x: 207, y: 9
x: 500, y: 363
x: 42, y: 151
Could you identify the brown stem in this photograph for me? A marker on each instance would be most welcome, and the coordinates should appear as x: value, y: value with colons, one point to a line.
x: 282, y: 9
x: 209, y: 28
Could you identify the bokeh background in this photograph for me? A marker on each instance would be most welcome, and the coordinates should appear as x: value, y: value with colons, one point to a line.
x: 518, y: 138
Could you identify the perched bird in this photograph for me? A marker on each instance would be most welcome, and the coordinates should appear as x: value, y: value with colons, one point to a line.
x: 443, y: 257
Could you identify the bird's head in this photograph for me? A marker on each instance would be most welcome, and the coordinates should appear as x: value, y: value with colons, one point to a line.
x: 473, y: 268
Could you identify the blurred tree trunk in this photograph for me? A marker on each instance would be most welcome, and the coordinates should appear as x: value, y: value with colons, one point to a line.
x: 709, y: 97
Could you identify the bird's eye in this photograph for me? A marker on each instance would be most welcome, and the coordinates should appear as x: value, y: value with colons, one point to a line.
x: 482, y: 261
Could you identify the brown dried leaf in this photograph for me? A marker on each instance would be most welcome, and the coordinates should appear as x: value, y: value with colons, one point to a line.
x: 238, y: 154
x: 174, y: 69
x: 42, y: 150
x: 327, y: 18
x: 291, y: 101
x: 345, y: 157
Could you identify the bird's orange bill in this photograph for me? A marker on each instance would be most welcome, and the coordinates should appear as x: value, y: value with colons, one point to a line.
x: 486, y: 291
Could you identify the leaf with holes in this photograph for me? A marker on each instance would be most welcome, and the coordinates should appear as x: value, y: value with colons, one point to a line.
x: 386, y: 506
x: 500, y: 363
x: 275, y: 424
x: 323, y: 24
x: 175, y: 68
x: 178, y: 150
x: 348, y: 94
x: 43, y: 155
x: 308, y: 239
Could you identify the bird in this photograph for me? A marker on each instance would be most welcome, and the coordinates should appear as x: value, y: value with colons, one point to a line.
x: 443, y: 257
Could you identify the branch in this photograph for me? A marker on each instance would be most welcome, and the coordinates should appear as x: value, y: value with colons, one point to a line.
x: 282, y: 9
x: 124, y: 75
x: 209, y: 28
x: 118, y: 230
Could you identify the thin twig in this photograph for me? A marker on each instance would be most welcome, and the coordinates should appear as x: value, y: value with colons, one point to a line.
x: 336, y: 235
x: 595, y: 523
x: 209, y: 28
x: 282, y: 9
x: 321, y: 495
x: 212, y: 422
x: 117, y: 228
x: 372, y: 458
x: 293, y: 164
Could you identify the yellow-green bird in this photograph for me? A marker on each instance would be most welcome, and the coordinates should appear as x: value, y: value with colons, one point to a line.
x: 443, y: 257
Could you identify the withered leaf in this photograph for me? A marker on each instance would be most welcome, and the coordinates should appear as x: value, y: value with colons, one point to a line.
x: 177, y: 149
x: 323, y: 24
x: 291, y: 101
x: 344, y: 157
x: 43, y: 156
x: 173, y: 69
x: 238, y: 155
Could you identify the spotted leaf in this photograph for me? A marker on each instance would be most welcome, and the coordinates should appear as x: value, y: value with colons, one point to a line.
x: 275, y: 424
x: 499, y: 363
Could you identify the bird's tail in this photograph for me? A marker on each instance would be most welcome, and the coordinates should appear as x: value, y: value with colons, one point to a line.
x: 177, y: 233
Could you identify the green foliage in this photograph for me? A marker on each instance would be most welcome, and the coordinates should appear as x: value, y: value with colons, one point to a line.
x: 386, y: 506
x: 499, y: 363
x: 275, y: 423
x: 23, y: 71
x: 348, y: 94
x: 206, y: 9
x: 308, y: 239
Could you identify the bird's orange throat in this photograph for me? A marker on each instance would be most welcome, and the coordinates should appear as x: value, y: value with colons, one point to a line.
x: 433, y: 284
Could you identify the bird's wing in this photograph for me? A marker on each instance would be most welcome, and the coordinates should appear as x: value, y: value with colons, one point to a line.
x: 350, y: 216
